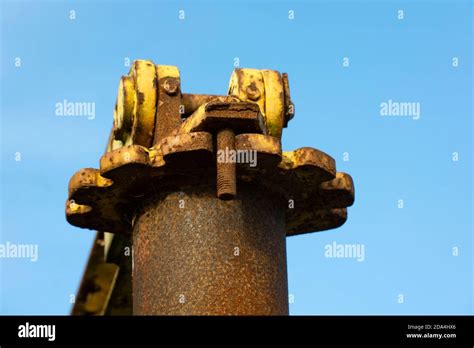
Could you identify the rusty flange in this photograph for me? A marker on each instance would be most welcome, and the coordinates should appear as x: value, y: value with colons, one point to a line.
x: 104, y: 199
x: 163, y: 137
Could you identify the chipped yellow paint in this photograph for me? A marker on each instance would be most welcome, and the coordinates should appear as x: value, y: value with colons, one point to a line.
x: 87, y: 177
x: 122, y: 156
x: 258, y: 142
x: 265, y: 88
x: 167, y: 71
x: 155, y: 155
x: 101, y: 181
x: 194, y: 120
x: 116, y: 144
x: 144, y: 77
x: 125, y: 105
x: 287, y: 160
x: 105, y: 276
x: 243, y: 79
x: 74, y: 208
x: 204, y: 118
x: 308, y: 156
x: 274, y: 102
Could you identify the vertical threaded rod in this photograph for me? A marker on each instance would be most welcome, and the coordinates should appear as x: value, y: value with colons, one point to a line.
x: 226, y: 180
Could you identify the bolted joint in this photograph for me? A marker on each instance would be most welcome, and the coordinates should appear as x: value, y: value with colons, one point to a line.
x: 171, y: 86
x: 253, y: 93
x: 226, y: 177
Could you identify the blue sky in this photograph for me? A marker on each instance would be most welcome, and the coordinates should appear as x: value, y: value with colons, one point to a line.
x: 408, y: 251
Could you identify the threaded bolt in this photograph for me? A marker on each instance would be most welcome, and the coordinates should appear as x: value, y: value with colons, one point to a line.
x: 226, y: 178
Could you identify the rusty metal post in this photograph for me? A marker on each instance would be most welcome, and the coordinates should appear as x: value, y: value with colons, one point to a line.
x: 198, y: 255
x: 196, y: 252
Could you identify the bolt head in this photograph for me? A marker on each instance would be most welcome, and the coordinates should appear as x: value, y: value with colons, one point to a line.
x: 253, y: 93
x: 171, y: 86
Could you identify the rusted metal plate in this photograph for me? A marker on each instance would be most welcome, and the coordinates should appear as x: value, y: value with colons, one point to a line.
x: 112, y: 163
x: 225, y: 112
x: 191, y: 150
x: 267, y: 149
x: 191, y: 102
x: 94, y: 202
x: 168, y: 115
x: 308, y: 179
x: 306, y: 176
x: 100, y: 218
x: 316, y: 166
x: 336, y: 193
x: 304, y: 221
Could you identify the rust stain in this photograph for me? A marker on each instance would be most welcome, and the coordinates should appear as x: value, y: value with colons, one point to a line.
x: 140, y: 98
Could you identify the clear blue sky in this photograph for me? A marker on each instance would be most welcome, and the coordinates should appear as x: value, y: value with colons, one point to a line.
x: 408, y: 251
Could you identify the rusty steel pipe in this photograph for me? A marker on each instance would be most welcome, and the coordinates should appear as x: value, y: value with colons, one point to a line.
x: 198, y: 255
